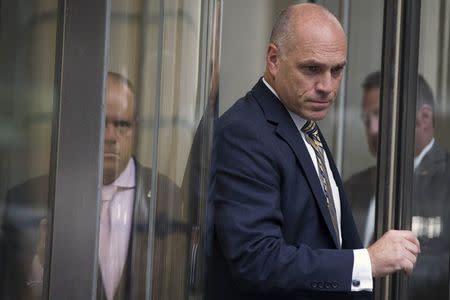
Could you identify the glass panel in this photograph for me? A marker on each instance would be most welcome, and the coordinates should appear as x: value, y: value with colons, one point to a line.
x: 181, y: 106
x: 246, y: 28
x: 159, y: 114
x: 127, y: 175
x: 431, y: 189
x: 27, y: 56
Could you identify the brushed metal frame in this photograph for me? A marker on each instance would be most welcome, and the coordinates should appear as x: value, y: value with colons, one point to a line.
x: 78, y: 155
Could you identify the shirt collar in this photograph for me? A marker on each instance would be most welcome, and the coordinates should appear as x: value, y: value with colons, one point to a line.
x: 270, y: 88
x: 126, y: 179
x: 299, y: 121
x: 418, y: 159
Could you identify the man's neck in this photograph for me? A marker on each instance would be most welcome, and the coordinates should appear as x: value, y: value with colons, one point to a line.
x: 107, y: 180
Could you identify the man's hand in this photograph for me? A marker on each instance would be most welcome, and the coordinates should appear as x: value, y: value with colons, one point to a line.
x: 40, y: 249
x: 396, y: 250
x: 36, y: 273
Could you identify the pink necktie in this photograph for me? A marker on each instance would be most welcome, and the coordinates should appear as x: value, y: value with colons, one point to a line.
x: 108, y: 264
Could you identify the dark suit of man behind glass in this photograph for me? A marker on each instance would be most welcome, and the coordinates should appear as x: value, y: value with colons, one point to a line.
x: 272, y: 231
x: 431, y: 191
x: 23, y: 247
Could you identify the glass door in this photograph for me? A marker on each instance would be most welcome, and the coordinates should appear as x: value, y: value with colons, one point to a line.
x: 396, y: 111
x: 430, y: 203
x: 28, y: 112
x: 161, y: 97
x: 106, y: 102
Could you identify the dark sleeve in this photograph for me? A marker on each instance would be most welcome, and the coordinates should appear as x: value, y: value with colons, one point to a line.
x: 245, y: 192
x: 25, y: 207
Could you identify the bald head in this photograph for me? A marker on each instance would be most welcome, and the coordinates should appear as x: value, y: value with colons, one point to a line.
x: 302, y: 18
x: 305, y: 60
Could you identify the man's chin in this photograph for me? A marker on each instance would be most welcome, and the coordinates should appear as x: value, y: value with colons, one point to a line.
x: 317, y: 115
x: 110, y: 170
x: 109, y: 177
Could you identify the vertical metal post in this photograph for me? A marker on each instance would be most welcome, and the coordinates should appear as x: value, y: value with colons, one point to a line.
x: 397, y: 127
x: 340, y: 120
x: 152, y: 207
x: 79, y: 150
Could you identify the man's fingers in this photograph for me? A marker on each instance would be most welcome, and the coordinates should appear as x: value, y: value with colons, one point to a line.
x: 411, y: 237
x: 412, y: 248
x: 408, y: 267
x: 410, y: 257
x: 396, y: 250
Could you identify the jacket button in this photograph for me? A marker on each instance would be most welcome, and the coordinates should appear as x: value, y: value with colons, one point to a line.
x: 356, y: 283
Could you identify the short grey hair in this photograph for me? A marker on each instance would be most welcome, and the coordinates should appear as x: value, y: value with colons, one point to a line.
x: 280, y: 31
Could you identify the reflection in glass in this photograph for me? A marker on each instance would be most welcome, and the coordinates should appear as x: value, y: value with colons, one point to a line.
x: 430, y: 203
x: 431, y: 189
x: 156, y: 151
x: 28, y: 33
x: 360, y: 187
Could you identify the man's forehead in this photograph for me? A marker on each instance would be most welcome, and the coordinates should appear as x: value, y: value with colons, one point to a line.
x: 329, y: 49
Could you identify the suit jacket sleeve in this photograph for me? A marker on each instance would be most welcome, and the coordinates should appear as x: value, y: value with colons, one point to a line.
x: 248, y: 221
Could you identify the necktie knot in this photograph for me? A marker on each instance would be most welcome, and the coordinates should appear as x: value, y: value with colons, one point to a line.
x: 312, y: 131
x: 309, y: 127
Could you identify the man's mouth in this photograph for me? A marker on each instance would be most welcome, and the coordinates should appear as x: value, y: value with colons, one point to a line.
x: 110, y: 155
x: 320, y: 104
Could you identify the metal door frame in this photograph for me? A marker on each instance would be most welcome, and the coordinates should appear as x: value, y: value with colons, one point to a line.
x: 77, y: 153
x: 397, y: 129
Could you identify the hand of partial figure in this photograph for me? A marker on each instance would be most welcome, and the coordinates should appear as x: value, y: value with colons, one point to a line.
x: 396, y: 250
x: 40, y: 249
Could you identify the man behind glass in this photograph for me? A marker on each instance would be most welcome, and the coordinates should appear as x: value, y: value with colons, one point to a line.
x: 431, y: 190
x: 123, y: 235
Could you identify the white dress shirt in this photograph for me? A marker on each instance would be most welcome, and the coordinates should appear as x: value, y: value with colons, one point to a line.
x: 362, y: 268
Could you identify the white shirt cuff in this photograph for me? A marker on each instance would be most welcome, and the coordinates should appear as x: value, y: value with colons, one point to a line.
x: 362, y: 271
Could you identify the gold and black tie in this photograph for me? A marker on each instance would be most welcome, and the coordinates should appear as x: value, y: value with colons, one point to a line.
x: 312, y: 136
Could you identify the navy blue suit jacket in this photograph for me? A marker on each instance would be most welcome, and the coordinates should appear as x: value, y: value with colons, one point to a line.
x: 271, y: 232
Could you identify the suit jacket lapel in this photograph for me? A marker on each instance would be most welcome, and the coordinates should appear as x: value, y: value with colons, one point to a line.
x: 431, y: 161
x: 276, y: 113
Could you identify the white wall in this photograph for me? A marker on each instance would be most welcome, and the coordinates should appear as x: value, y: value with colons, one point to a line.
x: 246, y: 27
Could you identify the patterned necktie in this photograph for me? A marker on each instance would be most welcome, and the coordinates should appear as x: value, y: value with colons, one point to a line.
x: 312, y: 136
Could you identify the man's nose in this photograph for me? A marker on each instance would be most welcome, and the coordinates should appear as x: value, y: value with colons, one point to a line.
x: 373, y: 125
x: 325, y: 83
x: 110, y: 132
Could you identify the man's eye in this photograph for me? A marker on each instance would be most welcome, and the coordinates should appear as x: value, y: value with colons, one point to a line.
x: 337, y: 71
x: 122, y: 124
x: 312, y: 69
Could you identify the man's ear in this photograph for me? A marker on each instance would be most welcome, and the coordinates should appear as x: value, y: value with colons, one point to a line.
x: 272, y: 58
x: 424, y: 117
